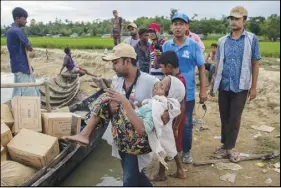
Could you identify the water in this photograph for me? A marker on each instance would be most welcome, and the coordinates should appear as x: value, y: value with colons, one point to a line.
x: 6, y: 93
x: 98, y: 169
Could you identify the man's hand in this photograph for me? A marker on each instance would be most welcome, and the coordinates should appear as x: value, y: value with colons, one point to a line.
x: 165, y: 117
x: 115, y: 96
x: 203, y: 96
x: 157, y: 52
x: 252, y: 94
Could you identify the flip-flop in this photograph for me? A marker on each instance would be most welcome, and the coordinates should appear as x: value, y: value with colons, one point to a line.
x: 158, y: 178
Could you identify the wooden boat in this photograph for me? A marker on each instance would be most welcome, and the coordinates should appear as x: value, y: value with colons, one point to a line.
x: 63, y: 89
x: 71, y: 154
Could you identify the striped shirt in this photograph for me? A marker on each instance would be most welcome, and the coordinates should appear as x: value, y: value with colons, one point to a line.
x: 156, y: 72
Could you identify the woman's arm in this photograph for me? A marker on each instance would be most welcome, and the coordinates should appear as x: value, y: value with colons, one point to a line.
x: 130, y: 112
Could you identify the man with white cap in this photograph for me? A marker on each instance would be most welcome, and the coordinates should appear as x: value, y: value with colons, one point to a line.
x: 190, y: 56
x: 236, y: 77
x: 136, y: 86
x: 134, y: 38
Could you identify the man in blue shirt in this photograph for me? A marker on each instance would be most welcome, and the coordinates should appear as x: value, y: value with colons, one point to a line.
x: 17, y: 43
x: 235, y: 77
x: 190, y: 56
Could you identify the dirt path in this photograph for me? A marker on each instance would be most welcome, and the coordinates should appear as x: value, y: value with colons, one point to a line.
x: 265, y: 110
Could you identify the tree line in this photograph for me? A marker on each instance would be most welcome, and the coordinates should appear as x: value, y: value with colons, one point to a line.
x: 268, y: 28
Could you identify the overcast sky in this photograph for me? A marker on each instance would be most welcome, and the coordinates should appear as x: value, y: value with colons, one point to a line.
x: 90, y: 10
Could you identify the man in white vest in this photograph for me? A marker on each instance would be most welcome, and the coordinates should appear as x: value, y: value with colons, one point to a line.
x: 236, y: 78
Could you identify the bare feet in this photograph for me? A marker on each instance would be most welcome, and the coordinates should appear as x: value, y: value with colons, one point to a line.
x: 179, y: 174
x: 158, y: 177
x: 77, y: 138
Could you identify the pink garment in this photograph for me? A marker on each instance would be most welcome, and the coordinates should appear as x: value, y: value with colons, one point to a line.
x: 196, y: 38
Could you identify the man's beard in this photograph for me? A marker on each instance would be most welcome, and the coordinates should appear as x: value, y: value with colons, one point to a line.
x: 120, y: 74
x: 235, y: 28
x: 133, y: 34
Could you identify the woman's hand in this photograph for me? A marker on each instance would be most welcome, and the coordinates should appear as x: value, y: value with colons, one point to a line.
x: 115, y: 96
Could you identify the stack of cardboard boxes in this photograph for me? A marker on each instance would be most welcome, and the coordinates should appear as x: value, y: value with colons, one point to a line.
x: 36, y: 132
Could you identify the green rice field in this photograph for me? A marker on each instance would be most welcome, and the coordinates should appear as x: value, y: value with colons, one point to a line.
x: 268, y: 49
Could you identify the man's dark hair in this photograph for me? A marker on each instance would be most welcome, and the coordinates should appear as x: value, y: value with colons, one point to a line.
x: 67, y: 50
x: 142, y: 31
x: 133, y: 61
x: 19, y: 12
x: 214, y: 45
x: 114, y: 11
x: 169, y: 57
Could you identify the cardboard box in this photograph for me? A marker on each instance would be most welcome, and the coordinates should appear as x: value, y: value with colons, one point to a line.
x: 57, y: 124
x: 6, y: 115
x: 6, y: 135
x: 4, y: 155
x: 33, y: 149
x: 27, y: 113
x: 75, y: 124
x: 63, y: 109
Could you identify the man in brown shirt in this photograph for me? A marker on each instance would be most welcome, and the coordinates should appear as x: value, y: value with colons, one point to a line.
x: 117, y: 27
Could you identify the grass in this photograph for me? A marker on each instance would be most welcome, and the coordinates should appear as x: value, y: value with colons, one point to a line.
x: 268, y: 49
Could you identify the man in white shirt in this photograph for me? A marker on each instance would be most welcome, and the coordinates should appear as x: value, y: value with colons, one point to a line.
x: 134, y: 38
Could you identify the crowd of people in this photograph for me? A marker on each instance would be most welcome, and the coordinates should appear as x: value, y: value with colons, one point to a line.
x: 153, y: 92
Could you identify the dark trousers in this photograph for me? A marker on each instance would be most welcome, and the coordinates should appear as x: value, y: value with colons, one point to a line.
x: 116, y: 40
x: 188, y: 127
x: 131, y: 175
x: 231, y: 106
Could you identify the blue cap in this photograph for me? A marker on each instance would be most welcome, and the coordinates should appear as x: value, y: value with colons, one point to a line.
x: 181, y: 16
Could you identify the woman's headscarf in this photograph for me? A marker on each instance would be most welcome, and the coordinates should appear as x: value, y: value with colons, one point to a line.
x: 177, y: 89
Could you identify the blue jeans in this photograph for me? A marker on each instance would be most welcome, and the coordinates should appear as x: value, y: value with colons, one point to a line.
x: 131, y: 174
x: 188, y: 126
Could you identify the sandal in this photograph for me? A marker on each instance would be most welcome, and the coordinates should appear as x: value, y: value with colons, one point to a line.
x: 233, y: 156
x: 220, y: 150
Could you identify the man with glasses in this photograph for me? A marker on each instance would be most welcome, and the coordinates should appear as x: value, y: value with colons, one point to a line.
x: 236, y: 76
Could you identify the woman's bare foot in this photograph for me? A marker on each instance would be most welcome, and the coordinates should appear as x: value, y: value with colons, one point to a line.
x: 77, y: 138
x: 179, y: 174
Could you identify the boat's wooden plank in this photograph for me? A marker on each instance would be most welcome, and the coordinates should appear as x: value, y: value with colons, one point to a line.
x: 43, y: 181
